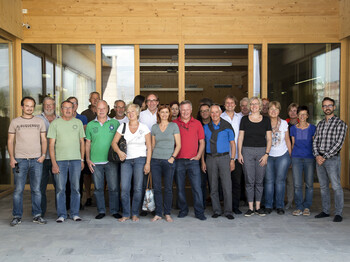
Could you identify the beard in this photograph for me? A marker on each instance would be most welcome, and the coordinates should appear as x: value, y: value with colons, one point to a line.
x: 49, y: 112
x: 328, y: 112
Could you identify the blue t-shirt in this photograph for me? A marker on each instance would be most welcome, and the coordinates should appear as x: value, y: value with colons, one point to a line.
x: 82, y: 118
x: 303, y: 141
x: 223, y: 140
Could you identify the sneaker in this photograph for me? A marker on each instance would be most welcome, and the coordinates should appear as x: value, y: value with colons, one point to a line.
x: 260, y: 212
x: 16, y: 221
x: 297, y: 212
x: 306, y: 212
x: 60, y: 220
x: 268, y: 211
x: 280, y: 211
x: 338, y: 218
x: 76, y: 218
x: 249, y: 213
x: 39, y: 220
x: 322, y: 215
x: 202, y: 217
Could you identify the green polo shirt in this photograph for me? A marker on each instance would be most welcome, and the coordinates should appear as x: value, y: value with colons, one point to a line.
x: 101, y: 137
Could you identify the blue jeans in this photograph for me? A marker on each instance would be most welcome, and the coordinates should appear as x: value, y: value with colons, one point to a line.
x: 110, y: 170
x: 34, y: 169
x: 275, y: 180
x: 162, y: 168
x: 47, y: 173
x: 298, y: 166
x: 74, y: 168
x: 132, y: 168
x: 330, y: 171
x: 194, y: 174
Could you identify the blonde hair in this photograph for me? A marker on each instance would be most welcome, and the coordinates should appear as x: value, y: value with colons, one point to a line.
x: 275, y: 104
x: 135, y: 106
x: 255, y: 98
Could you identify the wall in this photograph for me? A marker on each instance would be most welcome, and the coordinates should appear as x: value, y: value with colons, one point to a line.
x: 174, y: 21
x: 11, y: 17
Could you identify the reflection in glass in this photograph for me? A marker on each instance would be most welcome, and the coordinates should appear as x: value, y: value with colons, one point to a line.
x: 215, y: 71
x: 159, y: 71
x: 304, y: 74
x: 5, y: 98
x: 59, y: 71
x: 118, y: 73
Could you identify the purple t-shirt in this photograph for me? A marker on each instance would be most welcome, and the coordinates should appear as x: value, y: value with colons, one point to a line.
x: 303, y: 141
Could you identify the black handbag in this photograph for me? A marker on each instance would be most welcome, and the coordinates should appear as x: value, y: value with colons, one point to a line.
x: 112, y: 155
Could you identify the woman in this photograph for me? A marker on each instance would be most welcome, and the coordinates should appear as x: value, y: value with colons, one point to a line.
x: 165, y: 137
x: 140, y: 101
x: 278, y: 162
x: 175, y: 110
x: 303, y: 160
x: 254, y: 145
x: 137, y: 160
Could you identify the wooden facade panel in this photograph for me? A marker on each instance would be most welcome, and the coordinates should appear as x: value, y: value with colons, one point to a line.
x: 344, y: 18
x: 168, y: 8
x: 11, y: 17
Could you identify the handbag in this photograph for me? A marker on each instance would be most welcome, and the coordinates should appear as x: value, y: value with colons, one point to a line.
x: 148, y: 202
x: 112, y: 155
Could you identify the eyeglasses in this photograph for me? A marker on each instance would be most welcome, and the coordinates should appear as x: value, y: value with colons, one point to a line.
x: 204, y: 111
x: 327, y: 106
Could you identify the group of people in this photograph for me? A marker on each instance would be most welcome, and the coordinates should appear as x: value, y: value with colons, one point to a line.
x: 225, y: 149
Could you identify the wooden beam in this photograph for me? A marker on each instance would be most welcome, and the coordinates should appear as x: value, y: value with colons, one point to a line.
x: 250, y: 70
x: 181, y: 72
x: 344, y: 107
x: 264, y: 64
x: 17, y: 77
x: 98, y: 66
x: 137, y: 69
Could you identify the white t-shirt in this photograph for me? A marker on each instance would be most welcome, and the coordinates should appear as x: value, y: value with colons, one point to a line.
x: 124, y: 120
x: 147, y: 118
x: 279, y: 146
x: 136, y: 143
x: 235, y: 125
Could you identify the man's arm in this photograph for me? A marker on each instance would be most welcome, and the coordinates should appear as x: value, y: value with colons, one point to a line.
x: 233, y: 154
x: 87, y: 153
x: 55, y: 168
x: 200, y: 150
x: 11, y: 149
x: 82, y: 151
x: 43, y: 147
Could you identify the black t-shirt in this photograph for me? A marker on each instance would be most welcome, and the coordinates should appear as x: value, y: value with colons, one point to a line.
x: 255, y: 133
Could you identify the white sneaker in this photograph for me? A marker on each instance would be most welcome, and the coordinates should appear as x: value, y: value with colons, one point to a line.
x: 297, y: 212
x: 76, y: 218
x: 60, y: 220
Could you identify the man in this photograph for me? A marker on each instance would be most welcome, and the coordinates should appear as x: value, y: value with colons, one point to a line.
x: 90, y: 114
x: 220, y: 141
x: 328, y: 141
x: 149, y: 116
x: 67, y: 155
x: 119, y: 109
x: 75, y: 103
x: 265, y: 107
x: 48, y: 115
x: 27, y: 147
x: 236, y: 175
x: 192, y: 146
x: 244, y: 104
x: 99, y: 135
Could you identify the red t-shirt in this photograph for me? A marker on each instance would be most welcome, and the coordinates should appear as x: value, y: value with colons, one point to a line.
x: 190, y: 132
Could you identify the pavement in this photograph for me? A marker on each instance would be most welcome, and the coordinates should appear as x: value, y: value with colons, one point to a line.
x: 270, y: 238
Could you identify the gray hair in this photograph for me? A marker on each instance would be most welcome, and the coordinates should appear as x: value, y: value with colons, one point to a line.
x: 186, y: 102
x: 244, y: 99
x: 135, y: 106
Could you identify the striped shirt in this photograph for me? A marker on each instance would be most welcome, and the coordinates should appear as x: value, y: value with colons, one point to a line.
x: 329, y: 137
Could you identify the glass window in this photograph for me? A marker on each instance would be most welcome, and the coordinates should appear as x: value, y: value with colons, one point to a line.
x: 214, y: 71
x: 59, y: 71
x: 5, y: 111
x: 118, y: 73
x: 159, y: 71
x: 304, y: 74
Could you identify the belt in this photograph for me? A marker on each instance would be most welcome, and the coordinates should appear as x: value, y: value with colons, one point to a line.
x: 217, y: 154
